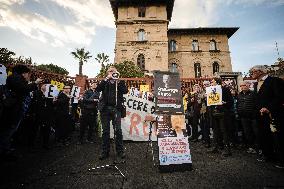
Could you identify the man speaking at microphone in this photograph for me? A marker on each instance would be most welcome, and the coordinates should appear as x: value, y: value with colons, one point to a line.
x: 110, y: 106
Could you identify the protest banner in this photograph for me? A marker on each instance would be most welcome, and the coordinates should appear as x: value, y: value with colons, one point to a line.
x: 3, y: 74
x: 58, y: 84
x: 167, y: 89
x: 51, y: 91
x: 134, y: 92
x: 214, y: 95
x: 133, y: 125
x: 75, y: 92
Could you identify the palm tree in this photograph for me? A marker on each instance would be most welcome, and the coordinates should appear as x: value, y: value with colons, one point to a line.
x: 102, y: 58
x: 82, y: 56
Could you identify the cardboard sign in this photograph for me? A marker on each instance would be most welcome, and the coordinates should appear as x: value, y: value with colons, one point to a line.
x: 214, y: 95
x: 75, y: 91
x: 173, y: 140
x: 167, y: 89
x: 144, y: 88
x: 51, y: 91
x: 58, y: 84
x: 134, y: 92
x: 3, y: 74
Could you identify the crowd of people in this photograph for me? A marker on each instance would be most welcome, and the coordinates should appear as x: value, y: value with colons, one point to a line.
x: 249, y: 118
x: 252, y: 119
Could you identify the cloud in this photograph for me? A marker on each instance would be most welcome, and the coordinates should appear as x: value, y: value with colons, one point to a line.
x: 87, y: 14
x: 204, y: 13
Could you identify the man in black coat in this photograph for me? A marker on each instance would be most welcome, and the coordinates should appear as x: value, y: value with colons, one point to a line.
x: 111, y: 105
x: 246, y: 106
x: 270, y: 95
x: 19, y: 90
x: 89, y: 111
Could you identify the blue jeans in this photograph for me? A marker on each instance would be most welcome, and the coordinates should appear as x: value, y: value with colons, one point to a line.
x: 111, y: 114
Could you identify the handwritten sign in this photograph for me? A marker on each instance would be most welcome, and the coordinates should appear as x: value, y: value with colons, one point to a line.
x: 214, y: 95
x: 58, y: 84
x: 51, y: 91
x: 144, y: 88
x: 75, y: 91
x: 174, y: 150
x: 3, y: 74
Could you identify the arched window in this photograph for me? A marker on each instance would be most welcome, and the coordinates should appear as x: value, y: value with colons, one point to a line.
x: 141, y: 61
x: 173, y: 67
x: 172, y: 45
x: 215, y: 67
x: 213, y: 45
x: 141, y: 11
x: 197, y: 70
x: 195, y: 46
x: 141, y: 35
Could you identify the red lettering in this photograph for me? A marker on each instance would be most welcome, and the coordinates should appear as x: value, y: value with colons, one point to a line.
x: 134, y: 121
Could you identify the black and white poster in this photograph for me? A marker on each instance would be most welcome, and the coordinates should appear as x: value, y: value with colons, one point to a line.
x: 167, y: 89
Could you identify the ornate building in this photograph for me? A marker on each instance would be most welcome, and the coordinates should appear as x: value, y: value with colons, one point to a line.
x: 143, y: 37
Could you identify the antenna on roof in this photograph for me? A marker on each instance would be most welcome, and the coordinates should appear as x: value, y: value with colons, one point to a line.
x: 277, y: 49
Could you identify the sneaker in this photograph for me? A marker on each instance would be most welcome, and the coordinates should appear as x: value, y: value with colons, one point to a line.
x: 251, y: 151
x: 89, y: 141
x: 214, y: 151
x: 103, y: 156
x: 261, y: 159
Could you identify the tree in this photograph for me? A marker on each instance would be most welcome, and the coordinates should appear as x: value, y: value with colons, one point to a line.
x: 52, y: 68
x: 82, y: 56
x: 102, y: 58
x: 6, y: 56
x: 127, y: 69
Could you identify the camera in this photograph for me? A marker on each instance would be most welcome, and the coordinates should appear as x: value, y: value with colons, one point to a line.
x: 115, y: 75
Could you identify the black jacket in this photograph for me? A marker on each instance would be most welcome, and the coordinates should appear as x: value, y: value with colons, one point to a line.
x: 246, y: 104
x: 45, y: 113
x: 62, y: 104
x: 88, y: 103
x: 271, y: 96
x: 108, y: 90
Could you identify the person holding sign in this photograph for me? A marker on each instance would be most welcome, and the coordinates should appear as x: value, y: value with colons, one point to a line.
x: 62, y: 115
x: 111, y: 106
x: 89, y: 107
x: 220, y: 116
x: 45, y: 114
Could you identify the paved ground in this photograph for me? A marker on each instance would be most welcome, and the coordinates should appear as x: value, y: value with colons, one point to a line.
x: 67, y: 167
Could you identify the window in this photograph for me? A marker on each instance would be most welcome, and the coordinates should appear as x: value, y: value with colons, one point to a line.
x: 141, y: 11
x: 195, y: 46
x: 141, y: 35
x: 141, y: 61
x: 213, y: 45
x: 172, y: 46
x: 174, y: 67
x: 215, y: 67
x: 197, y: 70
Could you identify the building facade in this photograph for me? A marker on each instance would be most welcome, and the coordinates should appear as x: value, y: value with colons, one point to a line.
x: 143, y: 37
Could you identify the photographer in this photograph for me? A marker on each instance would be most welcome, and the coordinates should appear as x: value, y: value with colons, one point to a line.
x: 110, y: 106
x: 19, y: 99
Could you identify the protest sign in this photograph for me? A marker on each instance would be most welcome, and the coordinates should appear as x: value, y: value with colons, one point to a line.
x: 58, y: 84
x: 134, y: 92
x: 214, y: 95
x: 144, y: 88
x: 75, y: 92
x: 3, y: 74
x: 51, y: 91
x: 167, y: 89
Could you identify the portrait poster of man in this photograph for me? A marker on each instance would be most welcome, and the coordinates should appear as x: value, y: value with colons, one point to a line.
x: 214, y: 95
x: 167, y: 89
x: 171, y: 126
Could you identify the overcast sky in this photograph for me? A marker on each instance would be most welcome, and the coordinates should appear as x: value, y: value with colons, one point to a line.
x: 48, y: 30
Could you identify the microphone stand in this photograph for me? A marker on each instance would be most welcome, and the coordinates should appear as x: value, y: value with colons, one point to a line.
x: 115, y: 162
